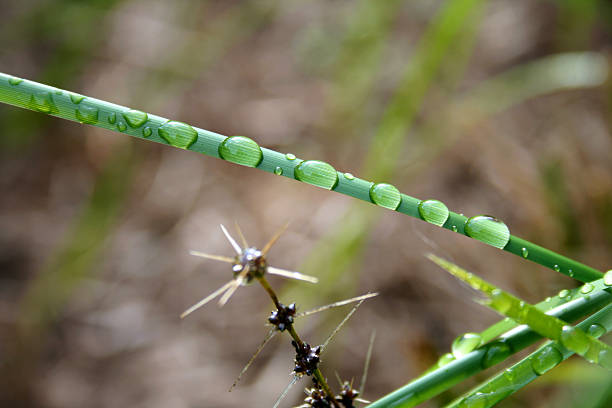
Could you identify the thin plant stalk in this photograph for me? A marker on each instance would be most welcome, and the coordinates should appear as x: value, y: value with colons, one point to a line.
x: 67, y: 105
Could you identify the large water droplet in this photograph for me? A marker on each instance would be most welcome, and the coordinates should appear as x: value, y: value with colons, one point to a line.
x: 317, y: 173
x: 241, y: 150
x: 15, y: 81
x: 434, y: 212
x: 488, y: 229
x: 86, y: 113
x: 596, y: 330
x: 497, y: 352
x: 178, y: 134
x: 385, y: 195
x: 121, y: 126
x: 278, y: 171
x: 43, y: 102
x: 564, y: 293
x: 349, y: 176
x: 146, y: 131
x: 574, y: 339
x: 135, y: 118
x: 608, y: 278
x: 466, y: 343
x: 445, y: 359
x: 546, y: 359
x: 290, y: 156
x: 586, y: 288
x: 76, y: 98
x: 525, y: 252
x: 112, y: 118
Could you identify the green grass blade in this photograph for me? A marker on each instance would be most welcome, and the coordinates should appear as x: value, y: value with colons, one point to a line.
x: 536, y: 364
x: 455, y: 371
x: 551, y: 327
x: 49, y: 100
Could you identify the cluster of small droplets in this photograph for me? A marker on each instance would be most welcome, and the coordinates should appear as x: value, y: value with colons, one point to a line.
x: 306, y: 358
x: 283, y: 316
x: 347, y: 395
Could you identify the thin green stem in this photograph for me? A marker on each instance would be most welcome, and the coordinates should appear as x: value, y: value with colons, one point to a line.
x: 70, y: 106
x: 443, y: 378
x: 531, y: 367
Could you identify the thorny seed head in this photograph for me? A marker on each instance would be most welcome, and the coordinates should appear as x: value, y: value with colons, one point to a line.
x: 283, y: 316
x: 316, y: 398
x: 306, y: 358
x: 347, y: 395
x: 254, y: 259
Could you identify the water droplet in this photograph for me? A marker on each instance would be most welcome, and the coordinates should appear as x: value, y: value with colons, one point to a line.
x: 557, y: 268
x: 465, y: 344
x: 608, y: 278
x: 570, y: 273
x: 604, y: 359
x: 290, y: 156
x: 586, y: 288
x: 385, y: 195
x: 43, y: 102
x: 525, y: 252
x: 241, y: 150
x: 348, y: 176
x: 146, y: 132
x: 178, y: 134
x: 454, y: 227
x: 564, y: 293
x: 15, y: 81
x: 596, y: 330
x: 121, y: 126
x: 317, y: 173
x: 278, y: 171
x: 500, y: 301
x: 434, y: 212
x: 87, y: 113
x: 546, y: 359
x: 112, y: 118
x: 574, y: 339
x: 76, y: 98
x: 488, y: 229
x: 135, y: 118
x: 445, y: 359
x: 497, y: 352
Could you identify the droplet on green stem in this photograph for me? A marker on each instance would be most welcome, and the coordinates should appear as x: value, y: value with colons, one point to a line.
x: 557, y: 268
x: 596, y: 330
x: 15, y: 81
x: 241, y: 150
x: 466, y: 343
x: 488, y: 229
x: 121, y: 126
x: 525, y: 252
x: 546, y: 359
x: 604, y: 359
x: 497, y: 352
x: 586, y: 288
x: 290, y: 156
x: 76, y: 98
x: 278, y: 171
x: 445, y: 359
x: 112, y: 118
x: 43, y: 102
x: 564, y: 293
x: 385, y: 195
x: 574, y: 339
x: 146, y: 131
x: 317, y: 173
x: 608, y: 278
x: 86, y: 113
x: 349, y: 176
x: 434, y: 212
x: 135, y: 118
x: 178, y: 134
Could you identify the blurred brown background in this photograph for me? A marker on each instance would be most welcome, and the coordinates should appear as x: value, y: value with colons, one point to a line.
x: 495, y: 108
